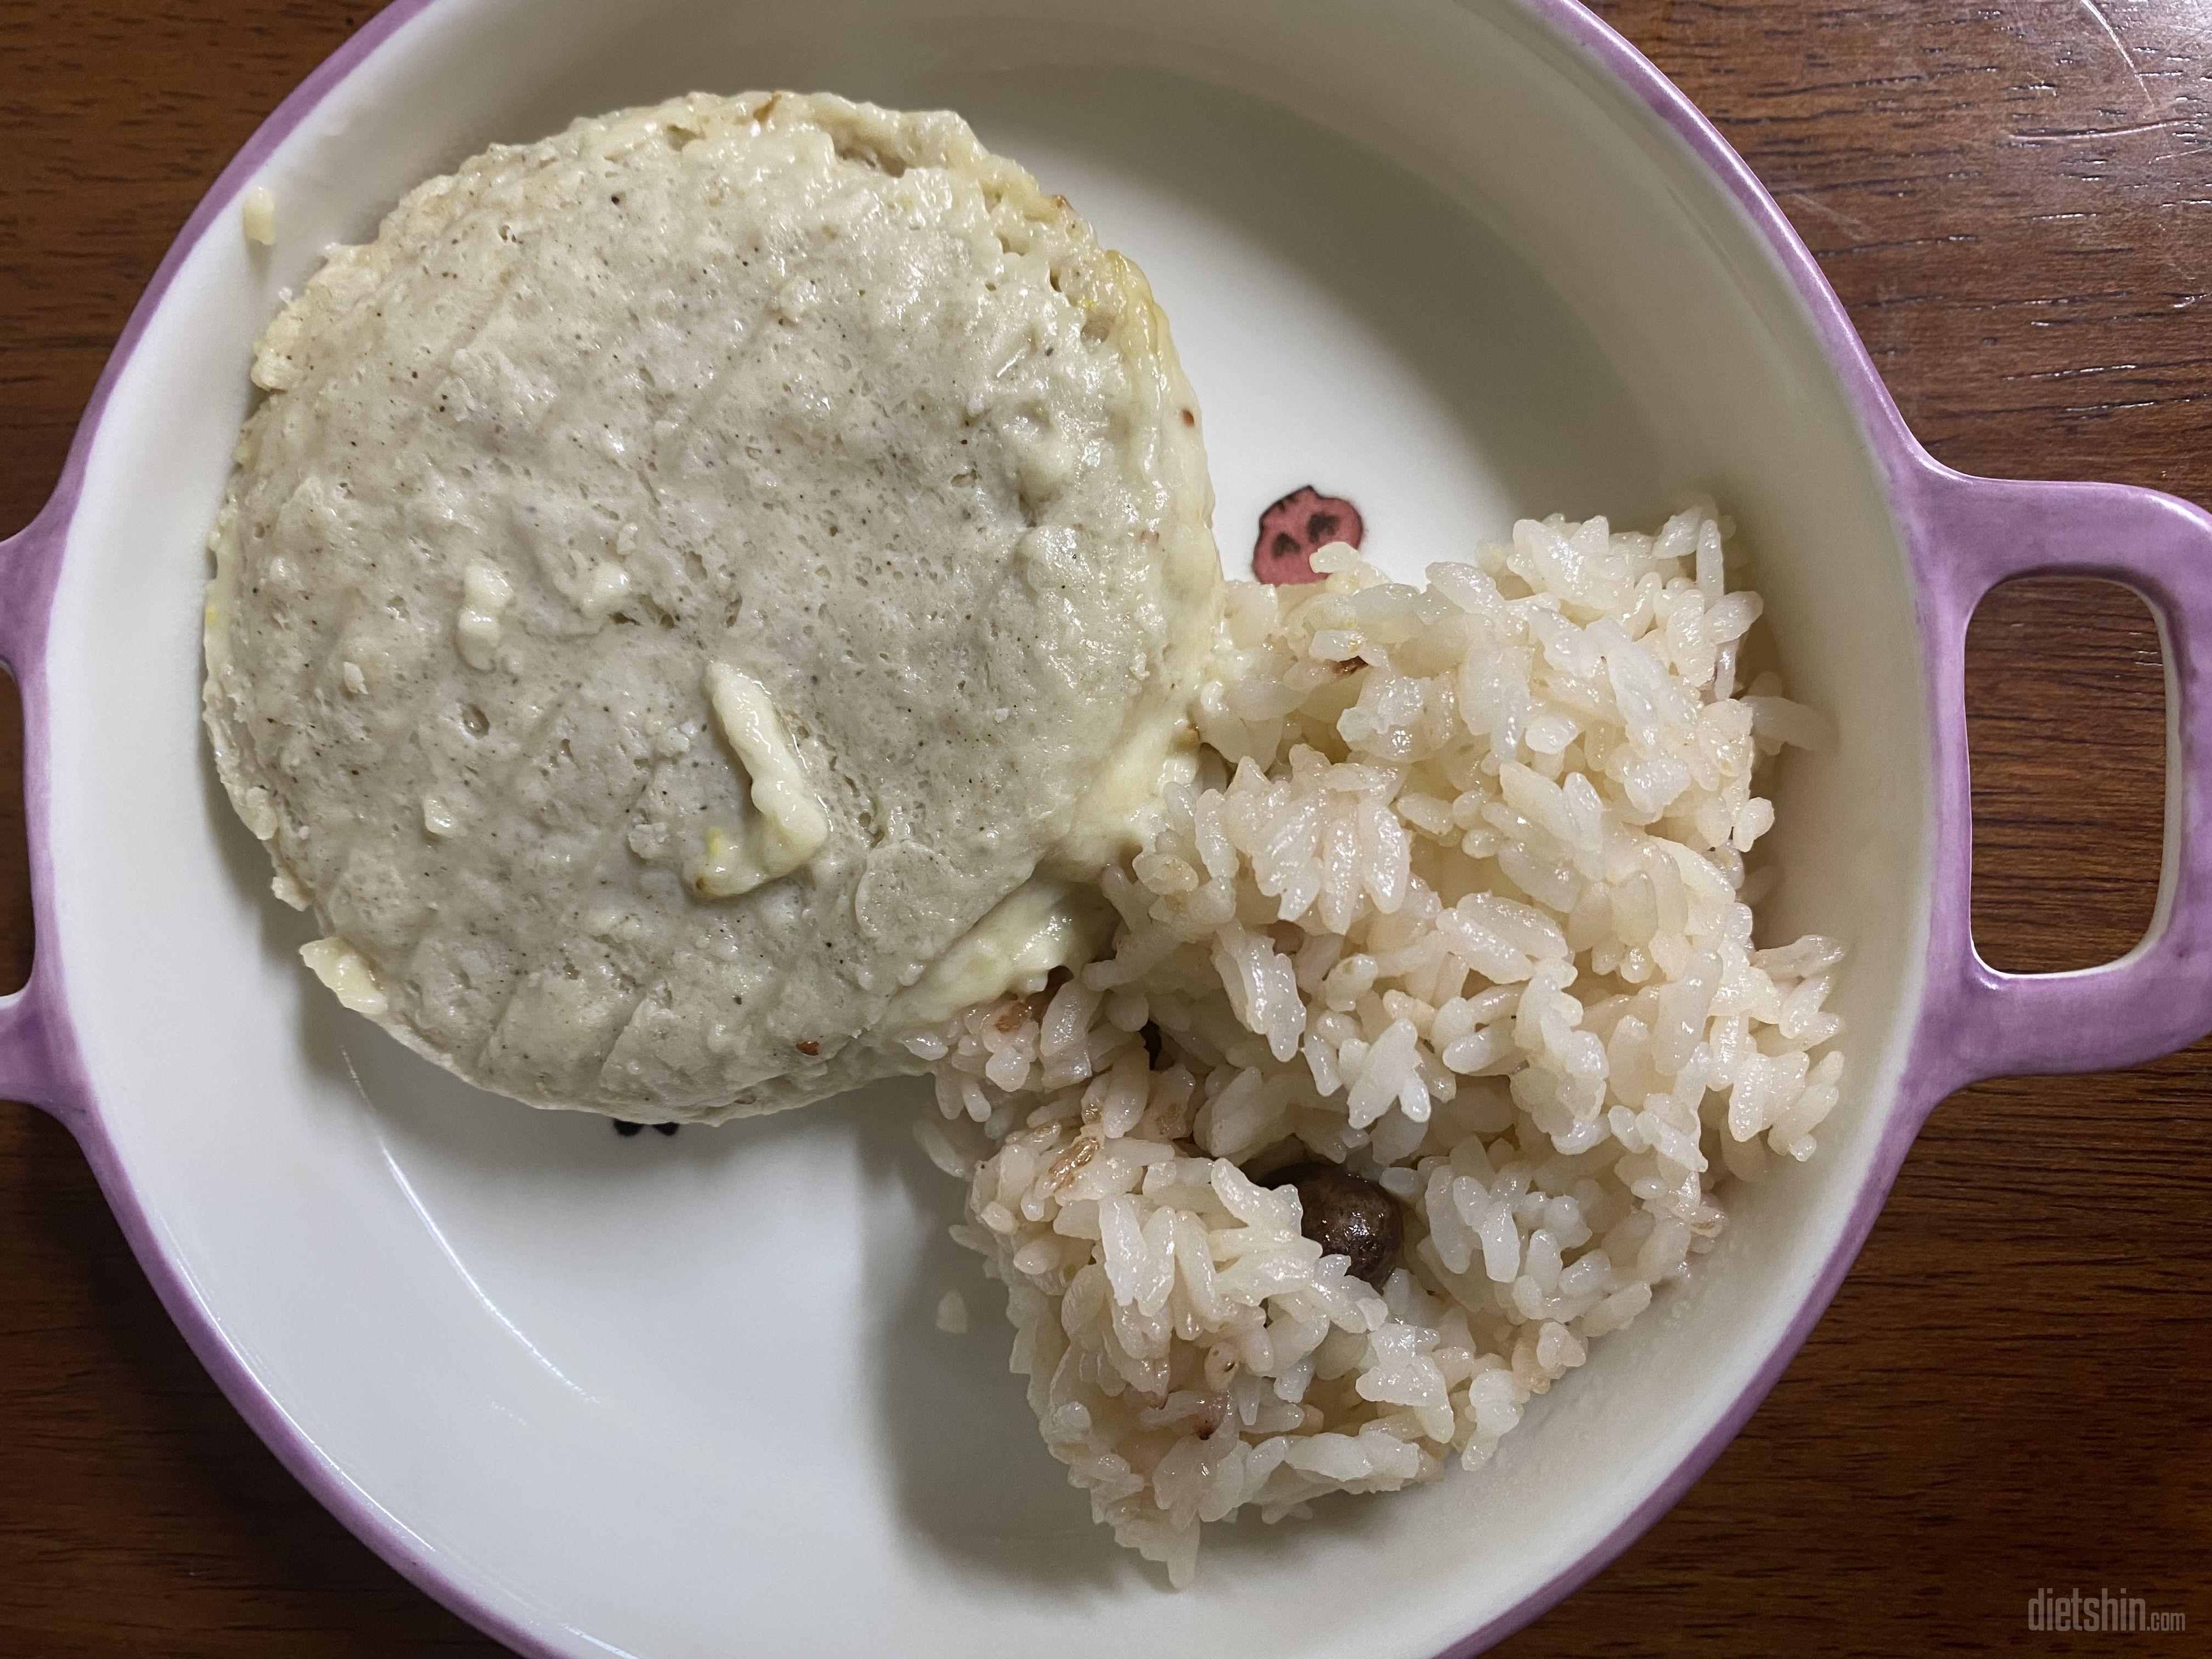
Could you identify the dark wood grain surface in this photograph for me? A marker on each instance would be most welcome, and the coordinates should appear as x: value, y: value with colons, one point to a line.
x: 2014, y: 197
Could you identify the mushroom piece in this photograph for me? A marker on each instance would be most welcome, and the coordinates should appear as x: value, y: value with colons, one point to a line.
x: 1346, y: 1215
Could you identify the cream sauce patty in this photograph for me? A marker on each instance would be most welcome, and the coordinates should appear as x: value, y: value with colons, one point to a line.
x: 686, y: 577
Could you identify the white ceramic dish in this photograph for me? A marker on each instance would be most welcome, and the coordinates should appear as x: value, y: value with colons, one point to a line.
x: 679, y: 1398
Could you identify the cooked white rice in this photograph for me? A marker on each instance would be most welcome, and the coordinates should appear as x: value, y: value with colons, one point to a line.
x: 1457, y: 901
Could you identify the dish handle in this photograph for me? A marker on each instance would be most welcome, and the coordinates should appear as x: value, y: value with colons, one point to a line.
x: 38, y: 1053
x: 1978, y: 1021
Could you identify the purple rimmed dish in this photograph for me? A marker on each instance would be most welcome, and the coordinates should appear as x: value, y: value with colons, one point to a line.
x: 1458, y: 262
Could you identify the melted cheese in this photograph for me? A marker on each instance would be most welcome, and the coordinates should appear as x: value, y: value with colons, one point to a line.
x: 1041, y: 925
x: 485, y: 594
x: 788, y: 825
x: 348, y: 973
x: 1113, y: 816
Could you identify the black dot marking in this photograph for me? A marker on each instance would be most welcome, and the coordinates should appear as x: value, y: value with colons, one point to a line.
x: 626, y: 1129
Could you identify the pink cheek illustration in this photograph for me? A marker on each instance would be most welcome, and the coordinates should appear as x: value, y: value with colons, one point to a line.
x: 1296, y: 527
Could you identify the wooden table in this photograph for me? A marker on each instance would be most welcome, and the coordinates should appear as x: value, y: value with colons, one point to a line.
x: 2015, y: 200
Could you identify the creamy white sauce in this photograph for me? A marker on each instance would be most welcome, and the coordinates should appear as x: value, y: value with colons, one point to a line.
x: 930, y: 489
